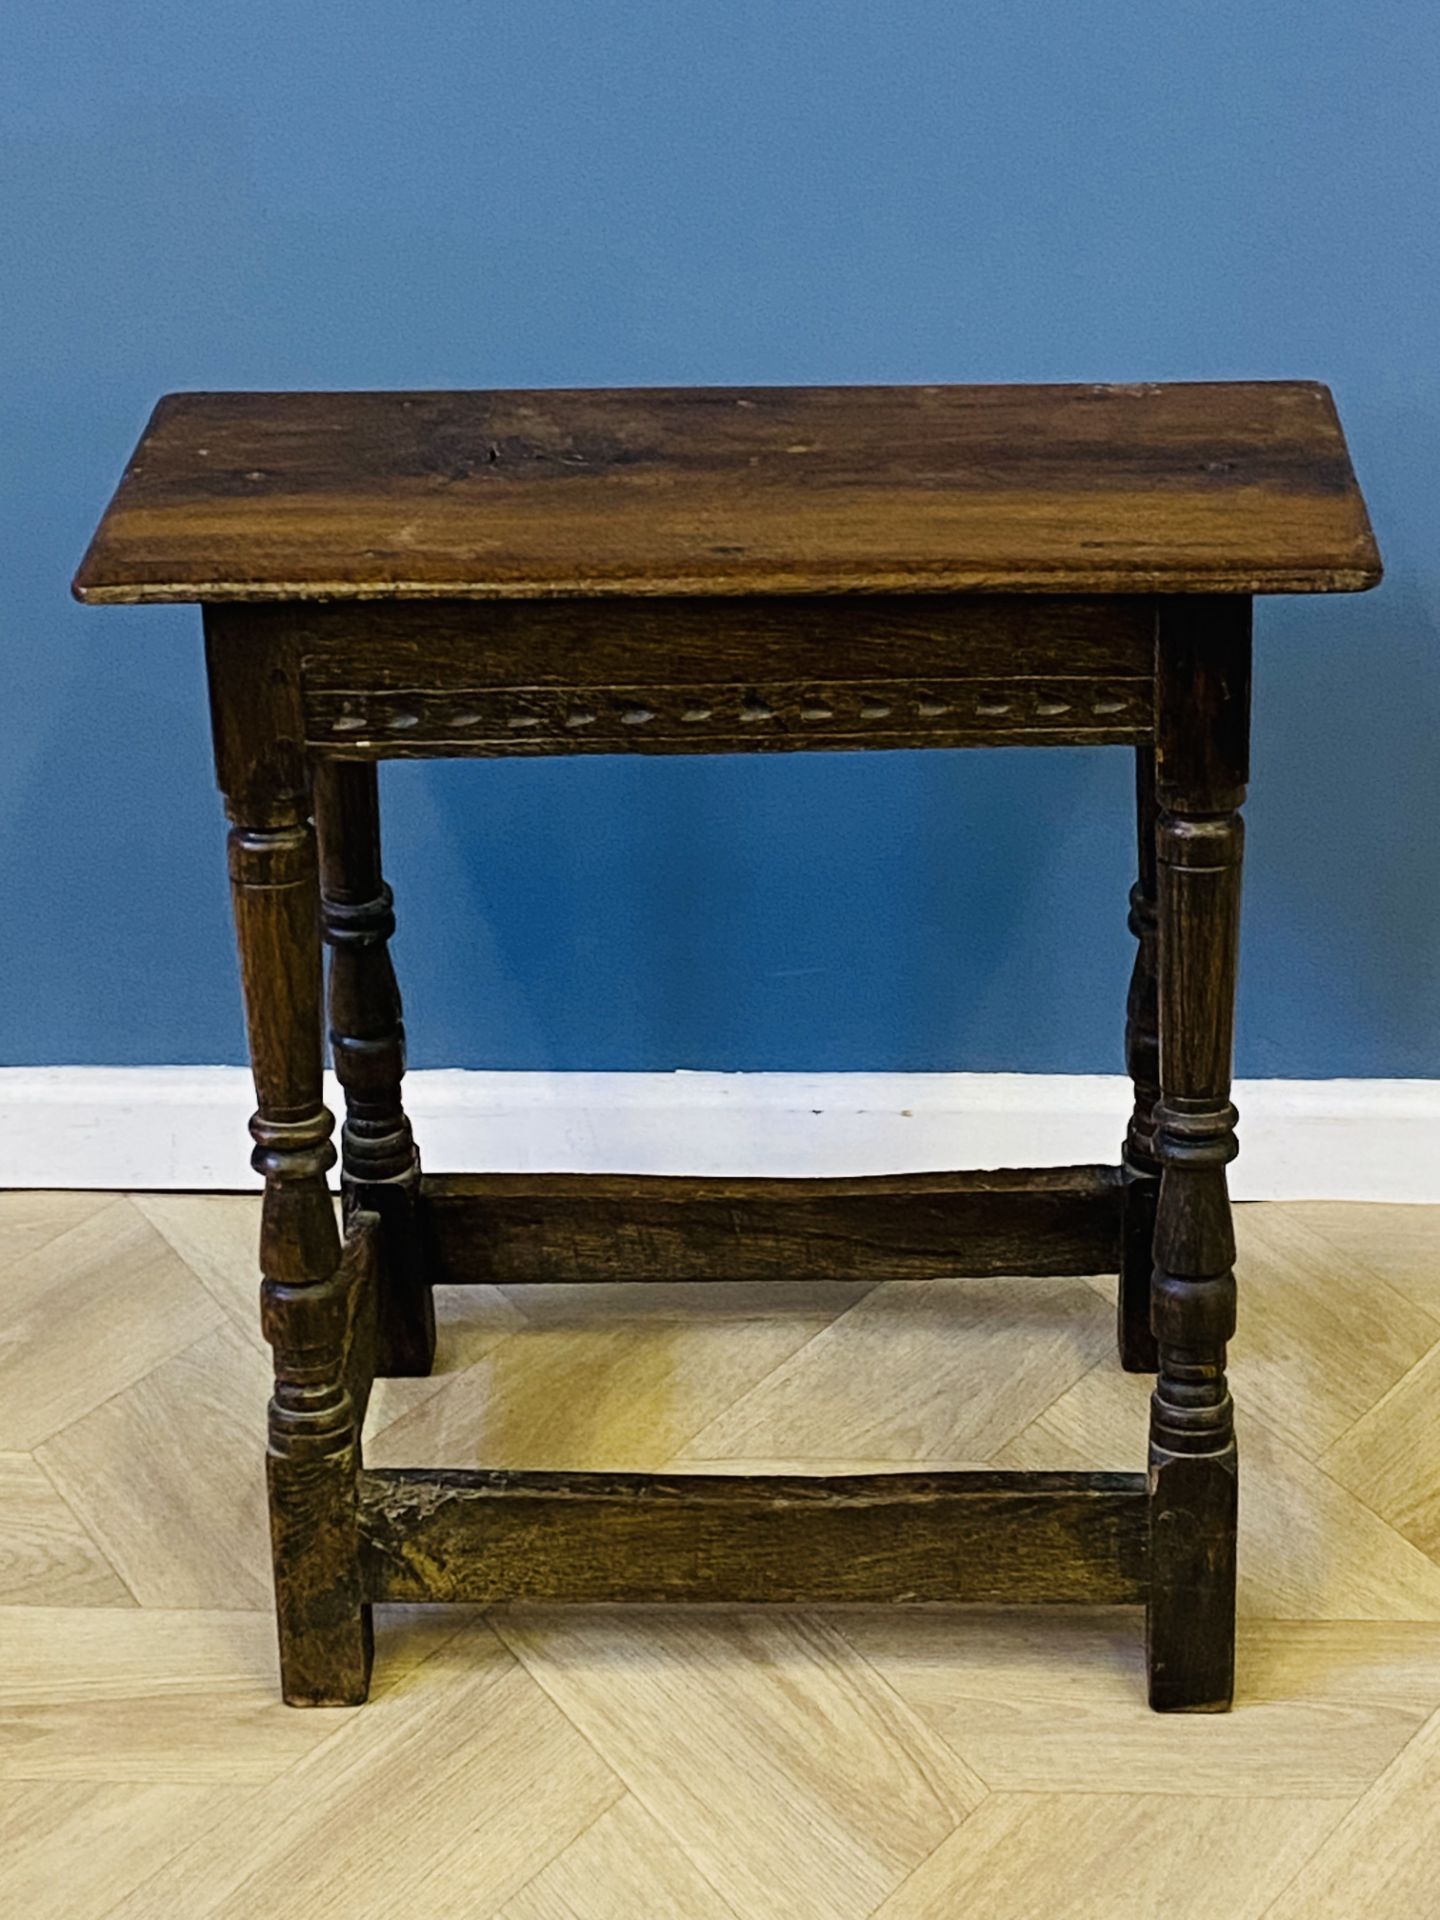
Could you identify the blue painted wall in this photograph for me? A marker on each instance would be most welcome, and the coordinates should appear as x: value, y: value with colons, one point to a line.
x: 747, y: 190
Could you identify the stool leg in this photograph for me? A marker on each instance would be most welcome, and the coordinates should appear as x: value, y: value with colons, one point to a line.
x: 380, y: 1168
x: 1140, y: 1170
x: 313, y: 1458
x: 1202, y: 724
x: 314, y: 1451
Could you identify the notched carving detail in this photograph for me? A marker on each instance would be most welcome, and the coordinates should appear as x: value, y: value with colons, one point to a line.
x: 548, y: 717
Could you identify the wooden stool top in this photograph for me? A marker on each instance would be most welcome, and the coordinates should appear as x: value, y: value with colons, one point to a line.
x: 1241, y: 487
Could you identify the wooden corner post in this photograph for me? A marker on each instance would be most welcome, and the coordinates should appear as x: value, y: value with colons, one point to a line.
x: 379, y: 1164
x: 1202, y: 755
x: 1139, y: 1169
x: 313, y: 1457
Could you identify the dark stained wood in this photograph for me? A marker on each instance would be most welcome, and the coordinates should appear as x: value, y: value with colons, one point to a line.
x: 361, y: 1258
x: 306, y: 1293
x: 1202, y: 750
x: 763, y: 715
x: 388, y: 646
x: 720, y: 571
x: 380, y: 1166
x: 723, y: 676
x: 450, y: 1535
x: 1242, y: 487
x: 513, y: 1229
x: 1141, y: 1170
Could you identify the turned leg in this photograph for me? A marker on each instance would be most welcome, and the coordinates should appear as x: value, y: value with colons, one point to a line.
x: 1202, y: 726
x: 1140, y: 1170
x: 313, y: 1457
x: 380, y: 1168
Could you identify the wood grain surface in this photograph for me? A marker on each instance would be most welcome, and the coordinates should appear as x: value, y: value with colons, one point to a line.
x: 1241, y: 487
x: 495, y: 1536
x: 509, y: 1229
x: 735, y: 674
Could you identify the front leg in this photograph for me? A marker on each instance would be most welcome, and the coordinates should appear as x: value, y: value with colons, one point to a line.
x: 1203, y: 699
x: 313, y: 1459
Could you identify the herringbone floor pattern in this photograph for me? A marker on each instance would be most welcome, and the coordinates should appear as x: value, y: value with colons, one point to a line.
x: 700, y: 1766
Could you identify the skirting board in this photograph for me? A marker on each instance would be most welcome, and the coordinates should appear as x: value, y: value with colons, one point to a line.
x: 184, y: 1127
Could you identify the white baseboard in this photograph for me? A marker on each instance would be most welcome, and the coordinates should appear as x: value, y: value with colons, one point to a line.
x: 184, y: 1127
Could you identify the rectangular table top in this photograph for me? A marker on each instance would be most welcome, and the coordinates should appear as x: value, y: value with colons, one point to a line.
x: 1235, y: 487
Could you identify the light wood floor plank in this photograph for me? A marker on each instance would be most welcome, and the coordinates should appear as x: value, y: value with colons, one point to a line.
x: 186, y: 1524
x: 1103, y: 1856
x: 442, y: 1799
x: 574, y: 1307
x: 217, y: 1235
x: 538, y: 1901
x: 591, y: 1381
x: 47, y: 1559
x: 68, y: 1849
x: 935, y: 1370
x: 31, y: 1220
x: 1383, y: 1859
x: 100, y: 1694
x: 85, y: 1315
x: 1053, y: 1700
x: 1319, y: 1341
x: 796, y: 1779
x: 624, y: 1867
x: 1389, y: 1458
x: 470, y: 1323
x: 1399, y: 1244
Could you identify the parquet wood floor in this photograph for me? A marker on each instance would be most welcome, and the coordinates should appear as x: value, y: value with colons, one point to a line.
x: 699, y: 1765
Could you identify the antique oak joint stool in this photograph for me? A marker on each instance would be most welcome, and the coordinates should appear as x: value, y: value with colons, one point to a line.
x: 722, y: 571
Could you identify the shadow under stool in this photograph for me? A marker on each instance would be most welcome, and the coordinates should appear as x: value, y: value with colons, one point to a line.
x: 714, y: 570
